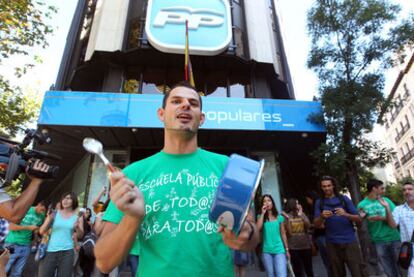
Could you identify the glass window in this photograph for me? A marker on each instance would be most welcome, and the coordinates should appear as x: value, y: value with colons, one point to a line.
x: 150, y: 88
x: 99, y: 175
x: 219, y: 92
x: 153, y: 81
x: 237, y: 90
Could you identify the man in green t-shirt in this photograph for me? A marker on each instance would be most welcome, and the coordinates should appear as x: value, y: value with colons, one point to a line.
x: 385, y: 238
x: 166, y: 199
x: 20, y: 238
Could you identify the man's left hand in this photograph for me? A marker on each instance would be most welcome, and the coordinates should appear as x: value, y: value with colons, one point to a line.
x: 340, y: 212
x: 244, y: 241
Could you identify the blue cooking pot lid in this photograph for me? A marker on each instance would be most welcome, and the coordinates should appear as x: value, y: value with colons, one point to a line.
x: 236, y: 189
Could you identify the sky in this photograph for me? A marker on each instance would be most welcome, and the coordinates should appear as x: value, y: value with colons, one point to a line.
x: 292, y: 15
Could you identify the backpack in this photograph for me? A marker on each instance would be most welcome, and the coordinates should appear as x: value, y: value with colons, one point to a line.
x: 406, y: 253
x: 88, y: 244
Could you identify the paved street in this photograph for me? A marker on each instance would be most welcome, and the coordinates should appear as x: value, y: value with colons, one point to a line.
x: 252, y: 270
x: 318, y: 270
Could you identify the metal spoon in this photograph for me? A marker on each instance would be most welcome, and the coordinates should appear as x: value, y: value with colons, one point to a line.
x: 94, y: 146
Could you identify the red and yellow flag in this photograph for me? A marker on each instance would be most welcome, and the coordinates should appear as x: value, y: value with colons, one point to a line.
x: 188, y: 70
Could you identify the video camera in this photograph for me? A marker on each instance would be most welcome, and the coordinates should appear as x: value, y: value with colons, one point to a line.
x: 15, y: 158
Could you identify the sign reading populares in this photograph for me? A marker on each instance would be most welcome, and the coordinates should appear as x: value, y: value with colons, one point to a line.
x: 140, y: 111
x: 209, y: 25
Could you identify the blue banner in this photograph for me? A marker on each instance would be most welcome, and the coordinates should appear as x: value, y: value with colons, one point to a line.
x: 140, y: 111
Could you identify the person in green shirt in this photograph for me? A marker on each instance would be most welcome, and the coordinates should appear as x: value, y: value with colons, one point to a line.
x: 275, y: 245
x: 385, y: 238
x: 166, y: 199
x: 20, y: 238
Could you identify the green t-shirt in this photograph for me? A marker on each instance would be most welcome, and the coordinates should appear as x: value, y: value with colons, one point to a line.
x: 176, y: 237
x: 24, y: 237
x: 112, y: 214
x: 272, y: 239
x: 379, y: 230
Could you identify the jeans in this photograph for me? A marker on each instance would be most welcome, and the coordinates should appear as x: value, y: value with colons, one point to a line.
x: 388, y: 257
x: 275, y: 264
x: 17, y: 261
x: 60, y: 260
x: 133, y: 261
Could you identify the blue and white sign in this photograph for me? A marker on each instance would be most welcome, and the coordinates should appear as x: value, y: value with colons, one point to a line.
x: 140, y: 111
x: 209, y: 25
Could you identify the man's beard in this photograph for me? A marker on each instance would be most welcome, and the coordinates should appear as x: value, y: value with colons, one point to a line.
x: 410, y: 198
x: 185, y: 131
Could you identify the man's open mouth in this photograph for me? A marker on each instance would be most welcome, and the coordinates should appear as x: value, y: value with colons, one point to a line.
x: 185, y: 117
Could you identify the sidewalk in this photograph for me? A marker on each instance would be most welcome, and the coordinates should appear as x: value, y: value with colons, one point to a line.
x: 318, y: 270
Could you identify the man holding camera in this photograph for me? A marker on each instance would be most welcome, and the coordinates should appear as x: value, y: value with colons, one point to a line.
x: 20, y: 238
x: 14, y: 210
x: 338, y: 214
x: 152, y: 202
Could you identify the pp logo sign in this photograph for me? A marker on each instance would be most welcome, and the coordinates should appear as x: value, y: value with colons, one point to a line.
x: 209, y: 24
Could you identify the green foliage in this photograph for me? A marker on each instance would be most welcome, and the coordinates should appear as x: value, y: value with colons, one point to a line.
x: 395, y: 193
x: 15, y: 189
x: 22, y: 27
x: 15, y: 108
x: 353, y: 41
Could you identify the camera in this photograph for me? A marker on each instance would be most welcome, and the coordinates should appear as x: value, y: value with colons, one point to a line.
x: 10, y: 248
x: 15, y: 158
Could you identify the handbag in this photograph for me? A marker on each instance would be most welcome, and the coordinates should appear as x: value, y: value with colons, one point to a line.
x: 406, y: 253
x: 42, y: 247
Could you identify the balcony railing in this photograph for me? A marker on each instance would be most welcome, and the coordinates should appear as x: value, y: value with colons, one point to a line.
x: 396, y: 112
x: 404, y: 130
x: 408, y: 156
x: 397, y: 165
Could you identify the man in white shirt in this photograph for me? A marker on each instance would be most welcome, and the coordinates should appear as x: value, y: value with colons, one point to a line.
x: 403, y: 216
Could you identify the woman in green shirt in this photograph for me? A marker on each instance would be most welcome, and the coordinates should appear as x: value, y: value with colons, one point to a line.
x: 275, y: 249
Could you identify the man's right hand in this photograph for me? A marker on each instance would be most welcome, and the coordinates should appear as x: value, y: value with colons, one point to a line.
x: 126, y: 196
x: 38, y: 165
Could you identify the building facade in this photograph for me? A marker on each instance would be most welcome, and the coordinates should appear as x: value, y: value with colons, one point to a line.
x: 399, y: 122
x: 122, y: 55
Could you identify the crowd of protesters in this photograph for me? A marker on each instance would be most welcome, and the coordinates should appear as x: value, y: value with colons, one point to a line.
x: 292, y: 237
x: 289, y: 237
x: 142, y: 235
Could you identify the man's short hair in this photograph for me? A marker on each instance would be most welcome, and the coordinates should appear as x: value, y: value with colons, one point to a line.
x: 43, y: 203
x: 184, y: 84
x: 373, y: 183
x: 408, y: 183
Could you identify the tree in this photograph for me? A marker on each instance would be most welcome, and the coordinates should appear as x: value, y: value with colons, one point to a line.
x: 353, y: 42
x: 22, y: 27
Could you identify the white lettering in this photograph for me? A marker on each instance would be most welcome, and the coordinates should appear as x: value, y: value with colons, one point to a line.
x: 222, y: 116
x: 154, y: 208
x: 195, y: 17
